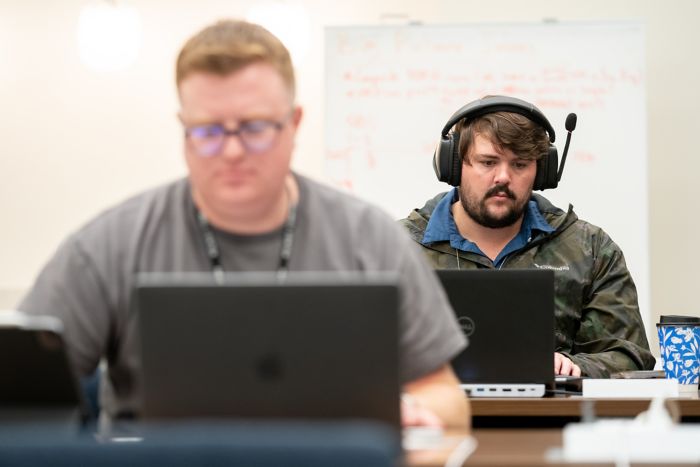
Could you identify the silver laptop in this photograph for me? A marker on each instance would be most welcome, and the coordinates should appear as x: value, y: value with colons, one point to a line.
x: 508, y: 317
x: 317, y: 346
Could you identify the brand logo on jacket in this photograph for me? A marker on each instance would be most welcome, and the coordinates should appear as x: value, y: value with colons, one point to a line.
x: 549, y: 266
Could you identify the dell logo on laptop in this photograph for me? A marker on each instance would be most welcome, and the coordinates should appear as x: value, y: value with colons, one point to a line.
x: 467, y: 325
x: 269, y: 368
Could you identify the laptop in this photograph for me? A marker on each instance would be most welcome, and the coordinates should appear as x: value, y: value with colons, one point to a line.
x: 313, y: 346
x: 508, y: 317
x: 37, y: 381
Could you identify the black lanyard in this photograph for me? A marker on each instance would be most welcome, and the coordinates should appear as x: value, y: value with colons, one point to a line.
x: 213, y: 252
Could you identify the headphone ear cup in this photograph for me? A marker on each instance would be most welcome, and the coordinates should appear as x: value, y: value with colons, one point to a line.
x: 446, y: 161
x: 456, y: 168
x: 441, y: 151
x: 547, y: 168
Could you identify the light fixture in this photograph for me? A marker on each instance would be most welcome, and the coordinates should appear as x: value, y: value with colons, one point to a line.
x: 109, y: 35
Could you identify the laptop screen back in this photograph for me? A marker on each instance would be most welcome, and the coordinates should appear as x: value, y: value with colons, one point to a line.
x: 508, y: 317
x: 37, y: 380
x: 311, y: 347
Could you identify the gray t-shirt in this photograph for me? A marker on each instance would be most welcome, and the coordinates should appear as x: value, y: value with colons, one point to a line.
x: 89, y: 280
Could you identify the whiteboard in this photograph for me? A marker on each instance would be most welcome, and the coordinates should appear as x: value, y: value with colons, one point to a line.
x: 390, y: 89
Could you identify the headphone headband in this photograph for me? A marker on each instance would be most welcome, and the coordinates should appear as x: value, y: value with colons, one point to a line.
x: 447, y: 161
x: 494, y: 104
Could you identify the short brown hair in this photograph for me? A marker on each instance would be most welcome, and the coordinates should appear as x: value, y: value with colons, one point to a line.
x: 527, y: 139
x: 230, y: 45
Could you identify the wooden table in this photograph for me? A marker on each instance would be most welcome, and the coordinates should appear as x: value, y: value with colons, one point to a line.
x: 505, y: 448
x: 553, y: 412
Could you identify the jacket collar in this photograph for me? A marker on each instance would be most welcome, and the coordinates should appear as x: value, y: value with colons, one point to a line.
x: 417, y: 221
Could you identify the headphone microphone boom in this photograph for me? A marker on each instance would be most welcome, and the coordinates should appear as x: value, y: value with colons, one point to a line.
x: 447, y: 162
x: 570, y: 126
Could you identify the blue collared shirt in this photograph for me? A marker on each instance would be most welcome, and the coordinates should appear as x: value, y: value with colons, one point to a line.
x: 442, y: 228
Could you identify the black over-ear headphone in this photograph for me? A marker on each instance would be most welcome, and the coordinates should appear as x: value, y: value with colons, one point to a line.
x: 447, y: 161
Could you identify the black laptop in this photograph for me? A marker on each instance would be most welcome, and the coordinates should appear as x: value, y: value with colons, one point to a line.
x: 316, y: 346
x: 37, y: 381
x: 508, y: 317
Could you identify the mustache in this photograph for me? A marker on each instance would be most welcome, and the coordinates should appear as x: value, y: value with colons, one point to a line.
x: 500, y: 189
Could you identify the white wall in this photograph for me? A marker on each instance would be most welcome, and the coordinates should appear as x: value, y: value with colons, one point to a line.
x: 74, y: 141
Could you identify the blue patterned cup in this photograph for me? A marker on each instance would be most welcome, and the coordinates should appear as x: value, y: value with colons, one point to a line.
x: 679, y: 341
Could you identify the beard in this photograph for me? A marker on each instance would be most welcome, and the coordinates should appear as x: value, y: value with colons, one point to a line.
x: 478, y: 211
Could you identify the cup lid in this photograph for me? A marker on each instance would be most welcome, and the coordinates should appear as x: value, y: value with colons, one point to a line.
x: 678, y: 319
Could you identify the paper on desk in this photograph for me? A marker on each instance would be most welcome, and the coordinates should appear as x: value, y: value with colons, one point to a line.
x: 630, y: 388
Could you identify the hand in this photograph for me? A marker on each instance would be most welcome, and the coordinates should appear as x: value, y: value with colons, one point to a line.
x: 413, y: 413
x: 564, y: 366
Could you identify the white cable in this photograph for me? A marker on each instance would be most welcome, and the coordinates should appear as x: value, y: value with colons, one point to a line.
x: 459, y: 455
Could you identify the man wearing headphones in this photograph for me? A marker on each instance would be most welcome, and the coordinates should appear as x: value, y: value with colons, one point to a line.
x: 495, y: 152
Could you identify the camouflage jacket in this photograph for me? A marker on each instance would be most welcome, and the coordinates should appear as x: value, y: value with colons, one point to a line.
x: 597, y: 320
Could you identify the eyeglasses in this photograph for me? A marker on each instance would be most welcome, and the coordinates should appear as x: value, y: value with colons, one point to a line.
x: 256, y: 136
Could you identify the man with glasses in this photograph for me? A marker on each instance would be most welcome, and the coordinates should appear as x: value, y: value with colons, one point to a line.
x: 242, y: 209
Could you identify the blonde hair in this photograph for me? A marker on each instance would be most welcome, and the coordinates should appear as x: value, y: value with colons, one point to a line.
x: 230, y: 45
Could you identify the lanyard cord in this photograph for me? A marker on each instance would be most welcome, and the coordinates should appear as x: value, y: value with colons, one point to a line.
x: 213, y: 252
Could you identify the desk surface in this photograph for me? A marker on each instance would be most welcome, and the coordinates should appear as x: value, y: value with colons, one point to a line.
x: 504, y: 448
x: 558, y: 410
